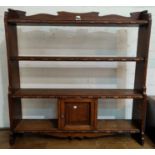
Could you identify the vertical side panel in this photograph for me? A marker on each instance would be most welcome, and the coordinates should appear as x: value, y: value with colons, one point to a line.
x: 12, y: 50
x: 15, y: 110
x: 142, y: 51
x: 139, y: 106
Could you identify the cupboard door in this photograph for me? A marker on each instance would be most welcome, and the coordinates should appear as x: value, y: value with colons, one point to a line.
x: 77, y: 114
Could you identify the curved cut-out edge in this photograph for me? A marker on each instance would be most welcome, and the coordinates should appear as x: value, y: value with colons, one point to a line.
x: 16, y: 14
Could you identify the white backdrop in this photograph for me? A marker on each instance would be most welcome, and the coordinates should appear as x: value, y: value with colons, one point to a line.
x: 74, y: 41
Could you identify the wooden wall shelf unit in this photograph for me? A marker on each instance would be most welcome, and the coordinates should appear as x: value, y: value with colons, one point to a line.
x: 77, y: 108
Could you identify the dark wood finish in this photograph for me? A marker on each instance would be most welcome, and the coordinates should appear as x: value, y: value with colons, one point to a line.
x: 142, y: 51
x: 79, y: 114
x: 35, y: 125
x: 77, y: 19
x: 150, y: 121
x: 12, y: 50
x: 39, y: 58
x: 105, y: 126
x: 86, y: 123
x: 77, y: 93
x: 117, y: 126
x: 15, y: 110
x: 105, y: 141
x: 139, y: 110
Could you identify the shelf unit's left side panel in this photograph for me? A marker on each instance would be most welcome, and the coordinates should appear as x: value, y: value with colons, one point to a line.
x: 15, y: 109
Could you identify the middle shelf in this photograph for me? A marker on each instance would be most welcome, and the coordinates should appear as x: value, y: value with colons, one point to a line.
x: 74, y: 58
x: 85, y: 93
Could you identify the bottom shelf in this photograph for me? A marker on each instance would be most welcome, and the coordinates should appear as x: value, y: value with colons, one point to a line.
x: 107, y: 126
x: 118, y: 126
x: 37, y: 125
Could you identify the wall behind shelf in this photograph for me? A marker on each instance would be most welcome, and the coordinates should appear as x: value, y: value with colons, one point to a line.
x: 121, y: 111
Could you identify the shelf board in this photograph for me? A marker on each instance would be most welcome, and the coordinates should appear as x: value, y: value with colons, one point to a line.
x: 84, y: 93
x: 44, y: 125
x: 60, y: 58
x: 107, y: 126
x: 76, y: 19
x: 123, y: 22
x: 118, y: 126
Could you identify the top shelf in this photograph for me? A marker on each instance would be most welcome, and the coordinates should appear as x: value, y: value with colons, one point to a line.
x: 76, y: 19
x: 77, y: 23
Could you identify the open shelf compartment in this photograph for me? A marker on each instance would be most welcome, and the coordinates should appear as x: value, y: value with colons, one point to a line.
x: 117, y: 126
x: 50, y: 125
x: 35, y: 125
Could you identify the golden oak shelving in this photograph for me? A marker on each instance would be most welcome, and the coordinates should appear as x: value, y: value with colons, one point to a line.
x: 77, y: 108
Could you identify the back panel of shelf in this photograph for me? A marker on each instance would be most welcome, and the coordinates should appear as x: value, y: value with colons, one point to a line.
x: 109, y: 75
x: 76, y: 41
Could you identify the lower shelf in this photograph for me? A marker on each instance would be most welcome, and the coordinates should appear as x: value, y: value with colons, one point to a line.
x: 107, y: 126
x: 37, y: 125
x: 118, y: 126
